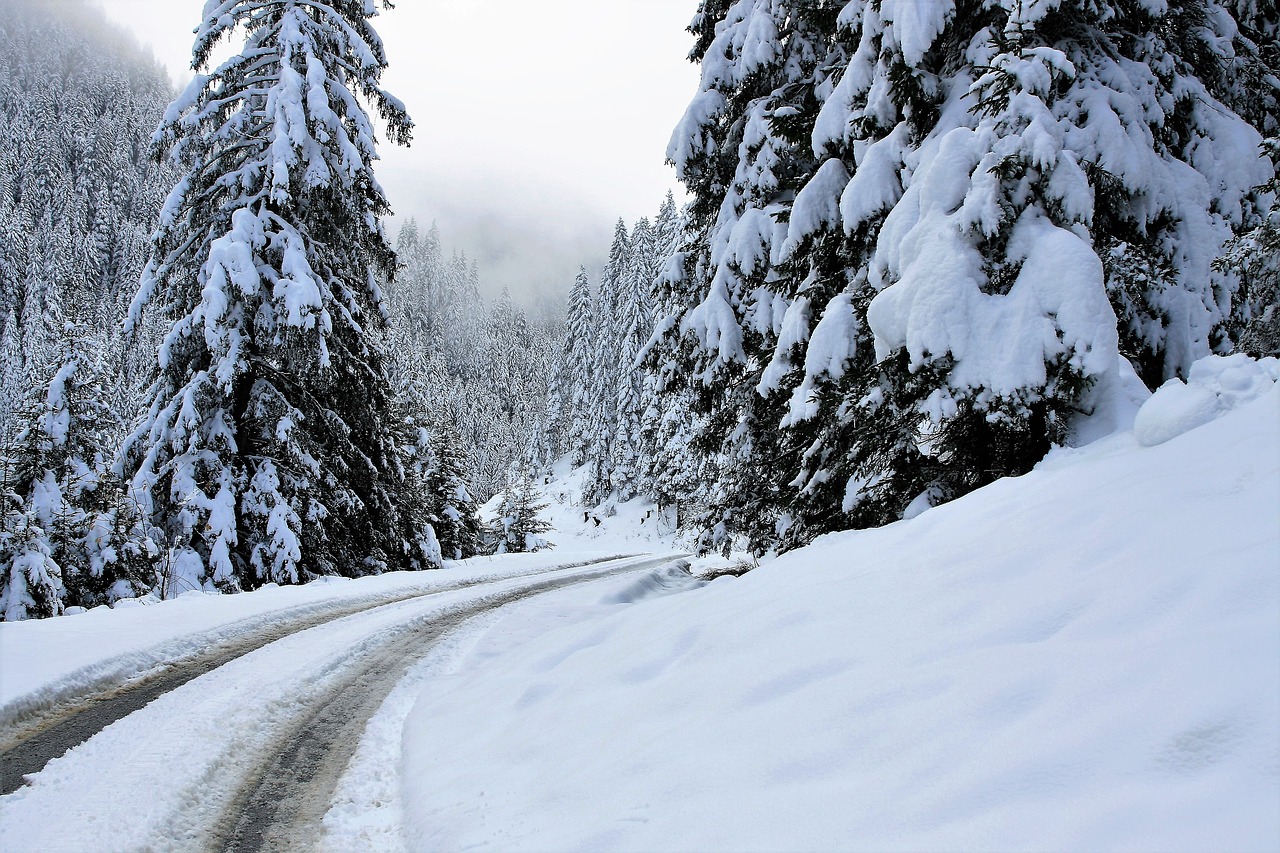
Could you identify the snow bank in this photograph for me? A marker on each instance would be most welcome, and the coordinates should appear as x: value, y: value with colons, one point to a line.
x: 1084, y: 658
x: 1214, y: 386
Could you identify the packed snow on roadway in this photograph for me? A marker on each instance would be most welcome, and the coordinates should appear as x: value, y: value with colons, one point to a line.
x: 1085, y: 657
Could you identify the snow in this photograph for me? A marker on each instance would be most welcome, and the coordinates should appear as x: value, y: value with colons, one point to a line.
x: 817, y: 205
x: 1084, y: 658
x: 368, y: 806
x: 1215, y: 385
x: 41, y: 661
x: 875, y: 185
x: 177, y: 755
x: 631, y: 527
x: 915, y: 24
x: 1111, y: 405
x: 829, y: 352
x: 932, y: 302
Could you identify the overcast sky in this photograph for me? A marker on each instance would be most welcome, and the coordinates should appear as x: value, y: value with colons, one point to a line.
x: 538, y: 123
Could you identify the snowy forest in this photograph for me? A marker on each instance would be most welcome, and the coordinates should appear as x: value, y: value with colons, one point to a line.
x: 923, y: 244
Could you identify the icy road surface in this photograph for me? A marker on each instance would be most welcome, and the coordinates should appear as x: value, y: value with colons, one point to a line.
x: 247, y: 754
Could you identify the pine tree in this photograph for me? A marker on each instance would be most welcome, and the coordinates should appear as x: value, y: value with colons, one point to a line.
x: 877, y: 196
x: 602, y: 396
x: 54, y: 471
x: 741, y: 151
x: 673, y: 474
x: 1048, y: 195
x: 80, y: 101
x: 269, y: 451
x: 579, y: 344
x: 1254, y: 258
x: 12, y: 374
x: 634, y: 325
x: 455, y: 516
x: 519, y: 528
x: 549, y: 443
x: 30, y: 579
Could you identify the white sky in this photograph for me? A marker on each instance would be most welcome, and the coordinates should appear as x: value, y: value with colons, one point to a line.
x: 538, y: 123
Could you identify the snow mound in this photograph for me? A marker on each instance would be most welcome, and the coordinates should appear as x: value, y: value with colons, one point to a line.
x: 671, y: 578
x: 1112, y: 405
x: 1215, y: 386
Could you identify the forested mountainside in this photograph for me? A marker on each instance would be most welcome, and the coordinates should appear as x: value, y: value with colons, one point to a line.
x: 480, y: 368
x: 79, y: 197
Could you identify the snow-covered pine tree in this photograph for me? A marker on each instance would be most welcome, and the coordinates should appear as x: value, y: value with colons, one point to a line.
x: 79, y: 100
x: 519, y: 527
x: 12, y: 374
x: 926, y: 348
x: 418, y: 461
x: 602, y: 399
x: 740, y: 150
x: 453, y: 511
x: 420, y: 296
x: 479, y: 367
x: 1253, y: 257
x: 56, y: 473
x: 634, y: 326
x: 1051, y: 182
x: 269, y: 452
x: 549, y: 441
x: 31, y: 584
x: 30, y: 579
x: 579, y: 344
x: 671, y: 472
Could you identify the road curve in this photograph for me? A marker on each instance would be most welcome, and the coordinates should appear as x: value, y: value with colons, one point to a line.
x: 31, y: 739
x: 283, y: 802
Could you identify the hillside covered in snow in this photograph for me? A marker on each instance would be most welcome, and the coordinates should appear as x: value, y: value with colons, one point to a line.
x: 1083, y: 658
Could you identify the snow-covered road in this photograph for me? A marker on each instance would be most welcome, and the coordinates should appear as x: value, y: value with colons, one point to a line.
x: 241, y: 743
x: 44, y: 724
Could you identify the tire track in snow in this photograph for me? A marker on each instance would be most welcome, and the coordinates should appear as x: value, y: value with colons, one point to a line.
x: 283, y: 804
x: 33, y: 739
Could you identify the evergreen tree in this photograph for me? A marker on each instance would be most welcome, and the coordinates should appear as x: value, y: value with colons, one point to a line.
x: 55, y: 467
x: 741, y: 151
x: 269, y: 452
x: 30, y: 579
x: 453, y: 511
x: 519, y: 527
x: 1254, y: 258
x: 602, y: 397
x: 921, y: 233
x: 549, y: 444
x: 634, y: 326
x: 579, y: 344
x: 673, y: 475
x: 479, y: 368
x: 79, y: 101
x: 12, y: 374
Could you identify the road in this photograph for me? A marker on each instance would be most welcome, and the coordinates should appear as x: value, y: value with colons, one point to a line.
x: 250, y: 737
